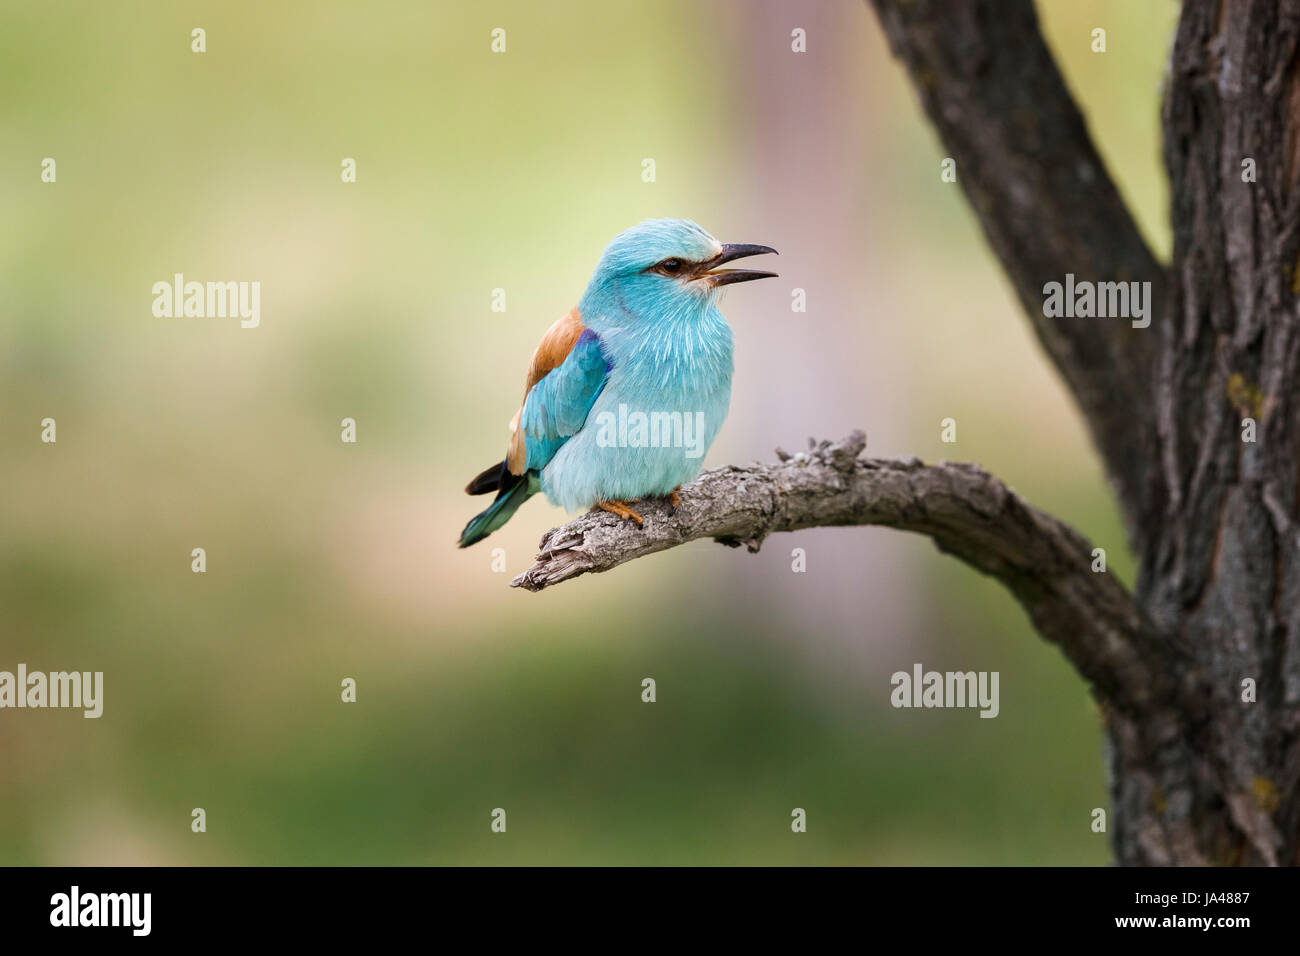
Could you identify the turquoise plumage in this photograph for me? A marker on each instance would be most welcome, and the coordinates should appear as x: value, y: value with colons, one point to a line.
x: 628, y: 391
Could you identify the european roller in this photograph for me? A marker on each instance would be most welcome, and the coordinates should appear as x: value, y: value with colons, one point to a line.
x: 627, y: 391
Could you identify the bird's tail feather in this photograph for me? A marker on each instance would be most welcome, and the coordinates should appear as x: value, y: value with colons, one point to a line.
x: 514, y: 491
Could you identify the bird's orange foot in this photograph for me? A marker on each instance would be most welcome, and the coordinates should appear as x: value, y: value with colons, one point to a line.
x: 674, y: 498
x: 621, y: 509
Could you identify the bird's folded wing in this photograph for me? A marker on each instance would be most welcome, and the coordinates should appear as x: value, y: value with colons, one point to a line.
x: 557, y: 405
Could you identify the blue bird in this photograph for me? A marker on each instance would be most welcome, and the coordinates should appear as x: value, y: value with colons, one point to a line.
x: 626, y: 392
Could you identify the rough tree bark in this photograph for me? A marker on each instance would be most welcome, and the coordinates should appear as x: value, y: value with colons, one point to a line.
x: 965, y: 510
x: 1197, y: 774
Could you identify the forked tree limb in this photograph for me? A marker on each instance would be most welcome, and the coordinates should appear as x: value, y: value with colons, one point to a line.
x: 1046, y: 203
x: 969, y: 513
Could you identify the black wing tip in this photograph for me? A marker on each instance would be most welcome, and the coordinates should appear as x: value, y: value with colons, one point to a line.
x: 488, y: 480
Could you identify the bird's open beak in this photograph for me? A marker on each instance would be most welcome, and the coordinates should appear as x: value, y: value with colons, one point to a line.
x: 731, y: 251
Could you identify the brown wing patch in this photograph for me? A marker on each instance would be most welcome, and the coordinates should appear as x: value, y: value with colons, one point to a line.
x: 554, y: 348
x: 551, y: 352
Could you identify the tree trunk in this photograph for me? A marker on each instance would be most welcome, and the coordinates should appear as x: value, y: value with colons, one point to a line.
x: 1207, y: 775
x: 1219, y: 550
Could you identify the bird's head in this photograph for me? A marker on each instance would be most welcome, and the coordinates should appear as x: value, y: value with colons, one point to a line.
x: 661, y: 267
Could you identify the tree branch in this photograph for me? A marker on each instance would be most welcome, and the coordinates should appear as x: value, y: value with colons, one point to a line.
x: 969, y: 514
x: 1046, y: 204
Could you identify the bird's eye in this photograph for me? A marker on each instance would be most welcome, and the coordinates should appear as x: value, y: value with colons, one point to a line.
x: 671, y: 266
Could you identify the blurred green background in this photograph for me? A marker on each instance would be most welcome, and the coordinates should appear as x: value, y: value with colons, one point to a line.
x: 326, y: 560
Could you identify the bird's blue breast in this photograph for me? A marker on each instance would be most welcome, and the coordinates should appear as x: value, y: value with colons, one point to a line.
x: 666, y: 394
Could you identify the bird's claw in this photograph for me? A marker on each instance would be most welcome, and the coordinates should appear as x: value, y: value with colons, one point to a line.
x: 621, y: 509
